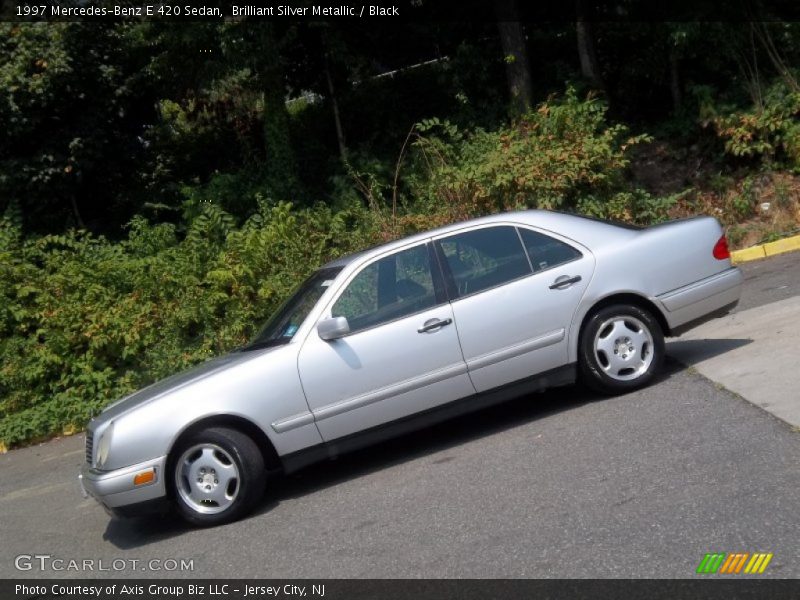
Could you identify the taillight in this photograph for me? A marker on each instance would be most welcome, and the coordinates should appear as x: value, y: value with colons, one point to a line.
x: 720, y: 250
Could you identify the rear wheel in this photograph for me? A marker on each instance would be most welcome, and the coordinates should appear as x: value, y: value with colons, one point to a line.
x: 621, y: 349
x: 218, y: 476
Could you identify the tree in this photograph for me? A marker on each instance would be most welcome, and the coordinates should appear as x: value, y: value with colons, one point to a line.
x: 76, y: 100
x: 515, y: 53
x: 280, y: 166
x: 590, y: 67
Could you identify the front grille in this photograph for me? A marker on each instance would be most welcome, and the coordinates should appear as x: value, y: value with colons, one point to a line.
x: 89, y: 447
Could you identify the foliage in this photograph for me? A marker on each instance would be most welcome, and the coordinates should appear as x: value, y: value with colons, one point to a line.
x: 770, y: 132
x: 74, y: 98
x: 636, y: 206
x: 84, y: 320
x: 550, y: 158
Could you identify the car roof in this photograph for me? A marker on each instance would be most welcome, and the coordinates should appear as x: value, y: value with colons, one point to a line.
x: 584, y: 230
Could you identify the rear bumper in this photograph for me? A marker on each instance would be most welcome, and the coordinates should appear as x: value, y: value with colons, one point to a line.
x: 116, y: 489
x: 691, y: 305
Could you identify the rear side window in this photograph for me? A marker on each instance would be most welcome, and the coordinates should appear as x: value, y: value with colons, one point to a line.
x: 546, y: 252
x: 484, y: 258
x: 390, y: 288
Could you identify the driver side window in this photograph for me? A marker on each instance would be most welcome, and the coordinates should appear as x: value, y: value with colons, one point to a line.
x: 393, y: 287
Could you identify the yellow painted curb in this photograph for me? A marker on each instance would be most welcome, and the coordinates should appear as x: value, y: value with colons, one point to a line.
x: 771, y: 249
x: 753, y: 253
x: 781, y: 246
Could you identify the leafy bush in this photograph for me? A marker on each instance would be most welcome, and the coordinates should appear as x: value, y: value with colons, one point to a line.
x: 84, y: 320
x: 770, y: 132
x: 636, y: 206
x: 550, y: 158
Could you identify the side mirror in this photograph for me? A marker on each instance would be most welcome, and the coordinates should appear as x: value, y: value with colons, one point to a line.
x: 333, y: 328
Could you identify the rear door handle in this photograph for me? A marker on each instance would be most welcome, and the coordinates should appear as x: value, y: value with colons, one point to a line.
x: 432, y: 324
x: 564, y: 282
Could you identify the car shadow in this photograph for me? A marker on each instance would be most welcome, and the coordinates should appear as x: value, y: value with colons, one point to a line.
x: 691, y: 352
x: 446, y: 435
x: 134, y: 533
x: 126, y: 534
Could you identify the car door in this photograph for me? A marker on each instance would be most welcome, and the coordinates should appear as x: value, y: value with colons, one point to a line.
x: 513, y: 291
x: 401, y: 355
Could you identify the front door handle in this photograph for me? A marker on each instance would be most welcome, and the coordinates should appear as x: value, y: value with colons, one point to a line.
x: 564, y: 282
x: 432, y: 324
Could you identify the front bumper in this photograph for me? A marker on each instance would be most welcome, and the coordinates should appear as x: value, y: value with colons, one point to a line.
x: 116, y: 489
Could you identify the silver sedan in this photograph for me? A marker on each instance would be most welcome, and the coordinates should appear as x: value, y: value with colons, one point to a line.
x: 406, y: 334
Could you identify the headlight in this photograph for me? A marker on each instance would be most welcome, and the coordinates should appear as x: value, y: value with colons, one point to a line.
x: 104, y: 445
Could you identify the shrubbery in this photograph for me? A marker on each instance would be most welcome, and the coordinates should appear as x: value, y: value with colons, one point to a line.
x: 84, y: 320
x: 562, y: 156
x: 770, y: 132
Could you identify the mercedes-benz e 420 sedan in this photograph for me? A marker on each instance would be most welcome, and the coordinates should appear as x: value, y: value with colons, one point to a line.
x: 404, y: 335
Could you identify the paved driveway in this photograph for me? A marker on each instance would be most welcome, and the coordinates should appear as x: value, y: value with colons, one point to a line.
x: 560, y: 484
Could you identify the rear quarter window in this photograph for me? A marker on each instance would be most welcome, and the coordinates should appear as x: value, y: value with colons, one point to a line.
x: 546, y: 252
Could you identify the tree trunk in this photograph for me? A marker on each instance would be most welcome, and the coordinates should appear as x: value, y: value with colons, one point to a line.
x: 78, y: 219
x: 515, y: 53
x: 774, y: 56
x: 280, y: 166
x: 675, y: 80
x: 336, y: 117
x: 590, y: 67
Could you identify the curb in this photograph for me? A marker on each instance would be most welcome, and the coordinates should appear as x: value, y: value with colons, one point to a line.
x: 764, y: 250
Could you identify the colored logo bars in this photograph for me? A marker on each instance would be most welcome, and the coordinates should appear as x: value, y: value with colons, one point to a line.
x: 721, y: 562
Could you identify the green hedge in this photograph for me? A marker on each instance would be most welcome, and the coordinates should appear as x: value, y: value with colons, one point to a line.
x: 84, y: 321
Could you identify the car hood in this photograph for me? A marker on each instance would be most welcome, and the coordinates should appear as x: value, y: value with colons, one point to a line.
x: 177, y: 381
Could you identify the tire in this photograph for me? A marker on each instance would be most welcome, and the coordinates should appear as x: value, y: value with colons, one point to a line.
x: 217, y: 475
x: 621, y: 349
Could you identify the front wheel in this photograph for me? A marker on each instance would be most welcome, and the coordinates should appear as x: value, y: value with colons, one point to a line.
x: 621, y: 349
x: 218, y: 476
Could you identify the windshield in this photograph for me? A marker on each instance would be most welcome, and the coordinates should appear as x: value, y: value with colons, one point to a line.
x: 287, y: 319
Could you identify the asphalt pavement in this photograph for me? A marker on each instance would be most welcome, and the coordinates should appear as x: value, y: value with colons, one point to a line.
x: 753, y: 352
x: 560, y: 484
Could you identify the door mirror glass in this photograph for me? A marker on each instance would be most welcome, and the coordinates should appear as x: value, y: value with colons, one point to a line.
x: 333, y: 328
